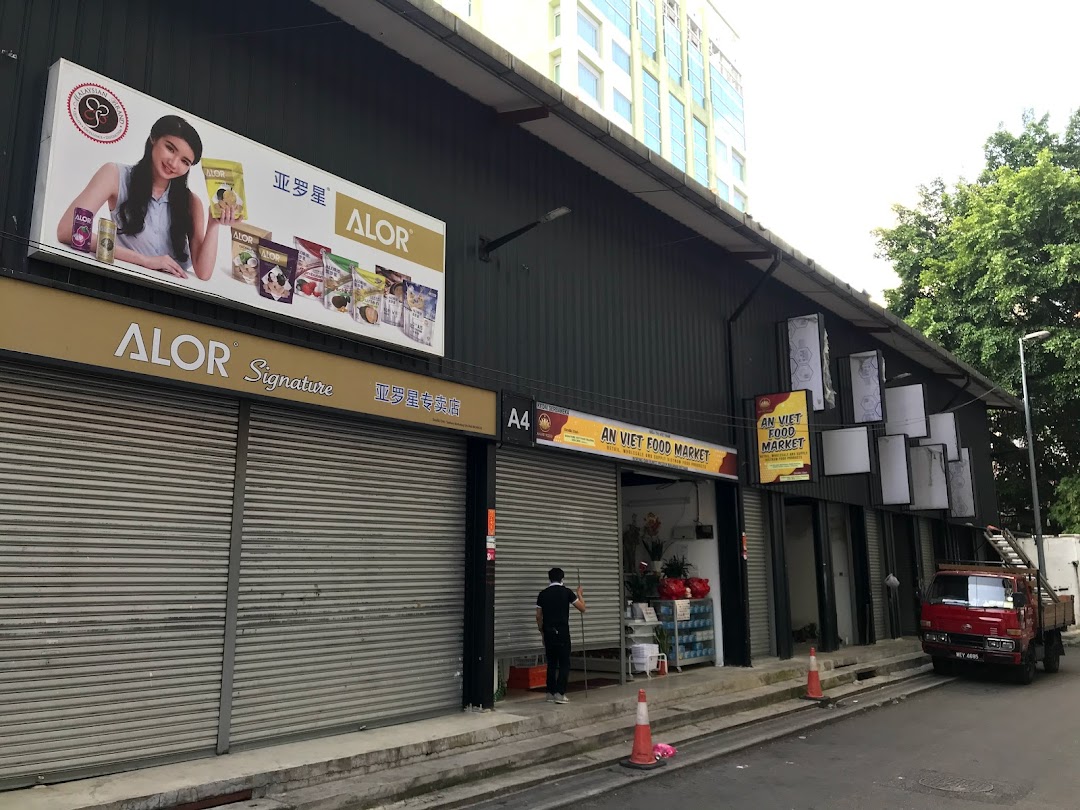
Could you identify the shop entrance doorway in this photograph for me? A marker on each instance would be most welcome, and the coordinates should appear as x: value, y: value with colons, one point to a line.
x: 907, y: 571
x: 671, y: 530
x: 802, y: 565
x: 843, y: 569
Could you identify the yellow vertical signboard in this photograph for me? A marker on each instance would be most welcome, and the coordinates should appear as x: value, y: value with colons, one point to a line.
x: 783, y: 437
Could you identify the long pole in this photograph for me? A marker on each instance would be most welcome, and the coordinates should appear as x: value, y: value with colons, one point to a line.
x: 1034, y: 479
x: 584, y: 647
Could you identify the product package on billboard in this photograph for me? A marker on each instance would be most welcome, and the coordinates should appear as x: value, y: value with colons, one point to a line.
x: 368, y: 290
x: 82, y: 229
x: 309, y: 267
x: 224, y: 186
x: 337, y: 281
x: 106, y: 240
x: 393, y: 307
x: 277, y: 271
x: 421, y: 304
x: 245, y: 251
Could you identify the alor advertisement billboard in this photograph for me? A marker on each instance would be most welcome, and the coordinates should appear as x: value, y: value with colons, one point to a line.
x: 129, y: 185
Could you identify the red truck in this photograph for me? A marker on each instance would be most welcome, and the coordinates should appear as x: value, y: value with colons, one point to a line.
x: 994, y: 613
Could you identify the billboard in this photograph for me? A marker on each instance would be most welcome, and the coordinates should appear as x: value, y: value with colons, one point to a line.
x: 783, y: 437
x: 128, y: 185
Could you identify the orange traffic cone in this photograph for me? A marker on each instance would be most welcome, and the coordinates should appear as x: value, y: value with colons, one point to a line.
x: 642, y: 756
x: 813, y: 679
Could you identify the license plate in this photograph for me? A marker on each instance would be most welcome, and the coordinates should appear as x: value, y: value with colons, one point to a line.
x: 968, y: 656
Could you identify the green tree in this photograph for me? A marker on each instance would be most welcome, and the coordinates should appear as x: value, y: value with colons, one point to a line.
x: 983, y: 263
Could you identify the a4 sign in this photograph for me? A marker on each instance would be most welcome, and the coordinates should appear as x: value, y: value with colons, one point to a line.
x: 517, y: 420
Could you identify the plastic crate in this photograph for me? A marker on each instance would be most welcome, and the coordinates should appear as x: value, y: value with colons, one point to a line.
x: 527, y: 677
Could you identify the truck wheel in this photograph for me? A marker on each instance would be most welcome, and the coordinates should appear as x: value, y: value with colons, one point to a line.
x: 943, y: 666
x: 1025, y: 673
x: 1052, y: 654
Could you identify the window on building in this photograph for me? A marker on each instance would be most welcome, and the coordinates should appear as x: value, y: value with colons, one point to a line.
x: 722, y: 190
x: 701, y: 152
x: 738, y: 167
x: 620, y: 57
x: 618, y: 11
x: 650, y: 94
x: 695, y: 65
x: 720, y: 152
x: 646, y: 14
x: 678, y: 132
x: 556, y: 70
x: 727, y: 102
x: 556, y: 23
x: 673, y: 49
x: 623, y: 106
x: 588, y: 29
x: 588, y: 80
x: 739, y: 200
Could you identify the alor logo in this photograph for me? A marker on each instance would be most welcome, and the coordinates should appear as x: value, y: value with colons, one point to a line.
x: 383, y: 231
x: 186, y: 352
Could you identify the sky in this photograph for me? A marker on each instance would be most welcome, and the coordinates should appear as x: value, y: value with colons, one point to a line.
x: 850, y: 106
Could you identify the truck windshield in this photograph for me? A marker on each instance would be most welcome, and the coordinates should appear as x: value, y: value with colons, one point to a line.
x: 971, y: 591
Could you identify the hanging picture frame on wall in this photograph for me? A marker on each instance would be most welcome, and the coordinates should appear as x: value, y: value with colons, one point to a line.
x: 808, y: 363
x: 894, y: 471
x: 862, y: 379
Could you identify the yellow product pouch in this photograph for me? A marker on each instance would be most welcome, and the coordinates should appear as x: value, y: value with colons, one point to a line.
x: 225, y: 185
x: 368, y: 290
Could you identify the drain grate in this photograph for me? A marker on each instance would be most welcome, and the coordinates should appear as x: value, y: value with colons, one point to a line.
x: 955, y: 784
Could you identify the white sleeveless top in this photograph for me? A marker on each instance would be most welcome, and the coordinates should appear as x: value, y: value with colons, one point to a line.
x: 154, y: 239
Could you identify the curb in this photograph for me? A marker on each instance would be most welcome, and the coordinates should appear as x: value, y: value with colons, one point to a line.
x: 411, y: 791
x: 814, y: 719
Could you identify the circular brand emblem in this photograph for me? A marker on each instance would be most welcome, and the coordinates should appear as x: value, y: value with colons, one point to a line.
x: 97, y: 113
x: 544, y: 422
x: 764, y: 403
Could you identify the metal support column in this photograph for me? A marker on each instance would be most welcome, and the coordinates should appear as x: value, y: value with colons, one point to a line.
x: 478, y: 682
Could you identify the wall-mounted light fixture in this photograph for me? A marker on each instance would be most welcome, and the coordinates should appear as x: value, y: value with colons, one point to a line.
x: 488, y: 246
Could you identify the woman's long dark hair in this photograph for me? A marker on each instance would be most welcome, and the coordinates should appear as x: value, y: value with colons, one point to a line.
x: 132, y: 212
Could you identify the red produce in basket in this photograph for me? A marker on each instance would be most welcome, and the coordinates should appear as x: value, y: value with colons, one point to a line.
x: 672, y: 589
x: 699, y: 587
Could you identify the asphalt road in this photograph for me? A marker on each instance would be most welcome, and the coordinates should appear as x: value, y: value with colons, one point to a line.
x: 977, y: 741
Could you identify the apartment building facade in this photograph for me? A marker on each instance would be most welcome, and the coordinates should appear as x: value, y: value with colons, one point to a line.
x: 663, y: 70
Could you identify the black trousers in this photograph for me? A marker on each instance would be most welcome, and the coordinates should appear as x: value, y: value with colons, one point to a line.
x: 557, y: 647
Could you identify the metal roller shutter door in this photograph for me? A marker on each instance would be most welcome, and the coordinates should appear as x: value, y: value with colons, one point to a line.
x: 115, y: 512
x: 555, y: 509
x: 877, y: 572
x: 757, y: 572
x: 926, y: 549
x: 351, y: 578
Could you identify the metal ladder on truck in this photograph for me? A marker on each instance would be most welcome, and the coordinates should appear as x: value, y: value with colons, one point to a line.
x: 1013, y: 556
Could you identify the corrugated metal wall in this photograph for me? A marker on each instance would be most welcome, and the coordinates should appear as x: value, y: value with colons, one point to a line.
x: 875, y: 563
x: 758, y: 569
x: 350, y: 604
x: 556, y: 509
x: 760, y: 361
x: 115, y: 516
x: 604, y: 348
x: 613, y: 309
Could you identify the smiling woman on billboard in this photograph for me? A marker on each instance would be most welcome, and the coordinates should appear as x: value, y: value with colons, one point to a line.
x: 160, y: 224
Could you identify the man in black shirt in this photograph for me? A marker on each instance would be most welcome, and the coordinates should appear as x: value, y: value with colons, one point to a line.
x: 553, y: 621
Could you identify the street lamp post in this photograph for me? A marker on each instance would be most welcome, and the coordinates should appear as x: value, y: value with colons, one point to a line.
x: 1040, y: 335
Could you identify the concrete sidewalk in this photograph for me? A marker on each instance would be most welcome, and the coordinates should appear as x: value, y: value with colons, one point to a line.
x: 414, y: 758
